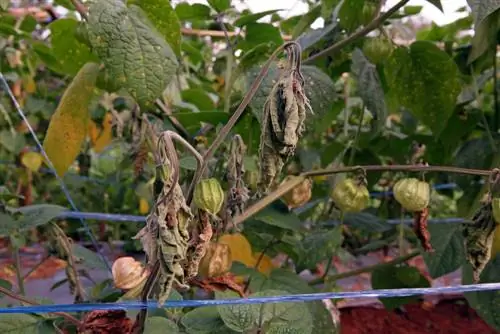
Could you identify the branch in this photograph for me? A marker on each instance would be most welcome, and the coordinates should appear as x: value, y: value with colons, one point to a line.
x: 175, y: 122
x: 368, y: 269
x: 289, y: 185
x: 358, y: 34
x: 65, y: 315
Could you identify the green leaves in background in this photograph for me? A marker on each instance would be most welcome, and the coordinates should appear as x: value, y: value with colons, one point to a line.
x: 251, y: 18
x: 36, y: 215
x: 136, y: 57
x: 19, y: 323
x: 220, y: 5
x: 448, y: 244
x: 318, y: 246
x: 369, y: 87
x: 69, y: 53
x: 425, y: 80
x: 486, y: 15
x: 195, y: 11
x: 163, y: 16
x: 485, y: 302
x: 398, y: 277
x: 159, y: 325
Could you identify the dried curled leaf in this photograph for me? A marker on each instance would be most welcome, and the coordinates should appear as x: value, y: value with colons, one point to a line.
x: 283, y: 121
x: 200, y: 239
x: 478, y: 237
x: 420, y: 229
x: 68, y: 126
x: 216, y: 261
x: 237, y: 196
x: 106, y: 322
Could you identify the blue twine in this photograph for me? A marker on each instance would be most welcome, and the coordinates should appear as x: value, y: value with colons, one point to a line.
x: 49, y: 162
x: 131, y: 305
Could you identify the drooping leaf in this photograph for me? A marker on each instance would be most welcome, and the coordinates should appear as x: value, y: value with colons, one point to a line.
x: 319, y: 88
x: 369, y: 87
x: 161, y: 13
x: 19, y: 324
x: 239, y: 317
x: 160, y: 325
x: 250, y: 18
x: 195, y: 11
x: 485, y: 34
x: 318, y: 246
x: 220, y: 5
x: 88, y: 258
x: 68, y: 125
x: 424, y: 79
x: 481, y: 9
x: 36, y: 215
x: 449, y: 253
x: 67, y: 50
x: 485, y: 302
x: 136, y: 57
x: 316, y: 35
x: 398, y: 277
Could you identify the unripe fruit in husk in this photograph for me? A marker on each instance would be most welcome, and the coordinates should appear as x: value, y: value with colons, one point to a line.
x: 217, y: 260
x: 350, y: 196
x: 495, y: 204
x: 368, y: 13
x: 209, y: 196
x: 299, y: 195
x: 412, y: 194
x: 377, y: 50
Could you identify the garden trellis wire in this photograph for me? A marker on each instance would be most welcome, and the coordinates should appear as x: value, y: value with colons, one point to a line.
x: 134, y: 305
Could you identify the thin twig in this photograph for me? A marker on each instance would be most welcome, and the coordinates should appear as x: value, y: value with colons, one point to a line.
x: 358, y: 34
x: 65, y: 315
x: 32, y: 270
x: 17, y: 260
x: 258, y: 206
x: 271, y: 243
x: 175, y: 122
x: 368, y: 269
x: 234, y: 118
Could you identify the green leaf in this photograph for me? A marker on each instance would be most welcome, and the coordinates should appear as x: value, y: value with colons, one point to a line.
x: 327, y: 8
x: 188, y: 162
x: 366, y: 221
x: 412, y: 10
x: 160, y: 325
x: 68, y: 51
x: 481, y: 9
x: 474, y: 154
x: 485, y: 302
x: 12, y: 142
x: 18, y: 324
x: 195, y: 11
x: 437, y: 3
x: 424, y: 79
x: 275, y: 217
x: 202, y: 320
x: 294, y: 316
x: 449, y: 253
x: 220, y: 5
x: 241, y: 317
x: 398, y: 277
x: 6, y: 285
x: 318, y: 246
x: 350, y: 14
x: 259, y: 33
x: 319, y: 88
x: 369, y: 87
x: 88, y: 258
x: 305, y: 21
x: 251, y: 18
x: 36, y: 215
x: 459, y: 126
x: 199, y: 98
x: 163, y: 16
x: 4, y: 4
x: 485, y: 35
x: 136, y: 57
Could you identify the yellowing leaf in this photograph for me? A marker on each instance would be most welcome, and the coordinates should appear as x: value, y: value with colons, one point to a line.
x: 29, y: 84
x: 241, y: 250
x: 68, y: 126
x: 265, y: 264
x: 32, y: 161
x: 101, y: 138
x: 143, y: 206
x: 496, y: 243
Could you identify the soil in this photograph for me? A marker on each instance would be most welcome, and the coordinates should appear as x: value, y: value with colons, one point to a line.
x: 446, y: 317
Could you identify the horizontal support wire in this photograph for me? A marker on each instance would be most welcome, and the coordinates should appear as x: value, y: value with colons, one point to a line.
x: 135, y: 305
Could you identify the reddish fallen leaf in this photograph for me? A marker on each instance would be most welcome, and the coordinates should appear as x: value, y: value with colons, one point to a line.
x: 48, y: 268
x: 220, y: 283
x: 420, y: 229
x: 106, y: 322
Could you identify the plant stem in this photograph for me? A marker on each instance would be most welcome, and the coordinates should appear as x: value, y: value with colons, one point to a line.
x: 358, y: 34
x: 495, y: 90
x: 355, y: 142
x: 402, y: 235
x: 19, y: 276
x: 271, y: 243
x: 368, y: 269
x: 65, y: 315
x: 234, y: 118
x: 287, y: 186
x: 32, y: 270
x: 227, y: 87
